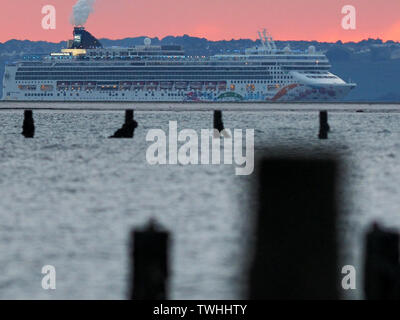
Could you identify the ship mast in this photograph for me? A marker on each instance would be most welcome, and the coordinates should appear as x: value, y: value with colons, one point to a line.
x: 268, y: 38
x: 264, y: 42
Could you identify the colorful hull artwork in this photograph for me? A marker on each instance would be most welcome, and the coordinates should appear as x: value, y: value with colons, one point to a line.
x: 230, y: 96
x: 284, y: 91
x: 292, y: 92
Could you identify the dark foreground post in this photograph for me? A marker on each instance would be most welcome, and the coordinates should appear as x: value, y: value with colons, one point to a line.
x: 150, y: 264
x: 382, y: 269
x: 128, y: 129
x: 218, y: 124
x: 323, y: 125
x: 296, y: 255
x: 28, y: 126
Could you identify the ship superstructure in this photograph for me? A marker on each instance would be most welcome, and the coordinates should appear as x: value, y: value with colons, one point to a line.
x: 86, y: 71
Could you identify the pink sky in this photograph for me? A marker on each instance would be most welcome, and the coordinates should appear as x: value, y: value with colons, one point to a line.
x: 213, y: 19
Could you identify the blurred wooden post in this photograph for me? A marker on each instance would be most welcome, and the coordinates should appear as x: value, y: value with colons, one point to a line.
x: 296, y: 254
x: 28, y: 126
x: 323, y: 125
x: 382, y: 266
x: 150, y: 263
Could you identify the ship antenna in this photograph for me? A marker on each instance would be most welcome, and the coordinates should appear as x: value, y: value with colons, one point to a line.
x: 268, y: 38
x: 273, y: 43
x: 262, y: 40
x: 265, y: 39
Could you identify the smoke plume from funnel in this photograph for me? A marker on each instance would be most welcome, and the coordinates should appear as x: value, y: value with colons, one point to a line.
x: 81, y: 11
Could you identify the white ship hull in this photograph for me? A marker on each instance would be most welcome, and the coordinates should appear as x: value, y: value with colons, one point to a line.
x: 261, y: 93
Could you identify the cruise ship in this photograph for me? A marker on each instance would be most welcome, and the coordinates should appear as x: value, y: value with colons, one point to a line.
x: 86, y: 71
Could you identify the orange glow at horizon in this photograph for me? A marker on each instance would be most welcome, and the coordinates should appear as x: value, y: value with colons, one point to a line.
x: 211, y: 19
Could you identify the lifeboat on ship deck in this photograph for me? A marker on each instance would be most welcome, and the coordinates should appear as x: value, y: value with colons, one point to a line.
x: 196, y: 85
x: 166, y: 84
x: 181, y: 85
x: 151, y: 85
x: 211, y: 85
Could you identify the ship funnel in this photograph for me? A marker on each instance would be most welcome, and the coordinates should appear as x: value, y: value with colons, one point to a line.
x: 84, y: 40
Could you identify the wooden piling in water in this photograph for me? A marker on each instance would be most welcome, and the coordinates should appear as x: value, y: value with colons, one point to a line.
x: 128, y: 128
x: 28, y: 126
x: 381, y: 265
x: 295, y: 255
x: 323, y: 125
x: 150, y: 263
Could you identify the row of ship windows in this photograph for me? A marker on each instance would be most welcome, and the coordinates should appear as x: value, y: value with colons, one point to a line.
x: 299, y: 57
x: 234, y: 81
x: 144, y: 68
x: 315, y: 68
x: 314, y: 72
x: 156, y: 73
x: 125, y: 53
x: 152, y: 63
x: 322, y: 77
x: 150, y: 68
x: 59, y: 94
x: 147, y: 66
x: 154, y: 78
x: 271, y: 64
x: 24, y: 74
x: 277, y: 80
x: 171, y: 53
x: 179, y: 56
x: 136, y: 70
x: 261, y: 81
x: 169, y: 75
x: 38, y: 94
x: 114, y: 94
x: 110, y: 94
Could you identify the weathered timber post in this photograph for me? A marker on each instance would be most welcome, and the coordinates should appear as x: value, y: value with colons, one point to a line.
x: 295, y: 255
x: 323, y: 125
x: 381, y: 264
x: 128, y: 129
x: 28, y: 126
x: 149, y: 255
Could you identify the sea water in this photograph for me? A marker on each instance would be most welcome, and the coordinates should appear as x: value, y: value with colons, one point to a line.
x: 70, y: 197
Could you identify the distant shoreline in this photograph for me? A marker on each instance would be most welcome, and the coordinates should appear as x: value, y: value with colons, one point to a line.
x: 201, y: 106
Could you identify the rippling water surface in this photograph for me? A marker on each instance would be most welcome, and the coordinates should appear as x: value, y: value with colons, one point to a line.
x: 70, y: 196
